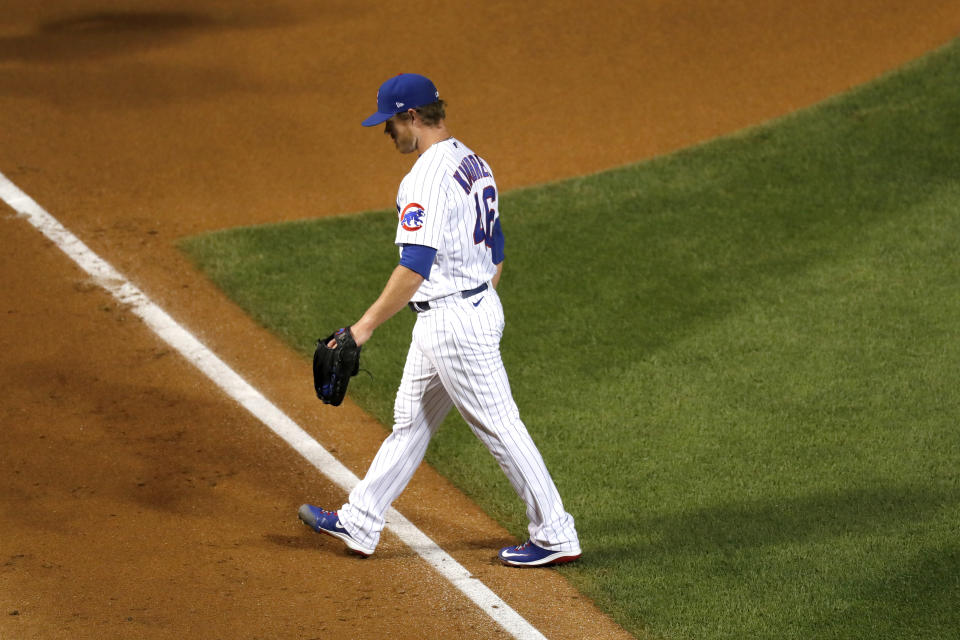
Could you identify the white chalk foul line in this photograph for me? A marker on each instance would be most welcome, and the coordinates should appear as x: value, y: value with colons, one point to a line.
x: 253, y: 401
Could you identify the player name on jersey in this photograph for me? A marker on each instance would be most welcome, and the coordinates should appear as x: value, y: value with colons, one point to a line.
x: 470, y: 170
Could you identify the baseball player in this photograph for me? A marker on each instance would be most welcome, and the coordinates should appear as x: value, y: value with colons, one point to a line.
x: 451, y: 258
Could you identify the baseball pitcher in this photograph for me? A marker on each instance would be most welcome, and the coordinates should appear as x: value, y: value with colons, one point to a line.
x: 451, y: 258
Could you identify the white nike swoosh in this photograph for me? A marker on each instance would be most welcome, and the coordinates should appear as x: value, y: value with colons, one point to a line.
x: 507, y: 554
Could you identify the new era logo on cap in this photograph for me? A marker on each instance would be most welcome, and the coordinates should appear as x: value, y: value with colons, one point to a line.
x: 402, y: 92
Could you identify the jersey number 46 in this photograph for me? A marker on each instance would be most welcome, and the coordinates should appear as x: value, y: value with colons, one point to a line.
x: 487, y: 219
x: 487, y: 230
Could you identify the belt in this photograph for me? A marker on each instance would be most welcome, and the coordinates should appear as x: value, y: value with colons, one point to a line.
x: 420, y: 307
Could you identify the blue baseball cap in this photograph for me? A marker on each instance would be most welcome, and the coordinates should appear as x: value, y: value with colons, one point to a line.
x: 402, y: 92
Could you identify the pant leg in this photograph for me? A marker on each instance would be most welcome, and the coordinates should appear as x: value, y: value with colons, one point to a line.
x: 420, y: 407
x: 463, y: 343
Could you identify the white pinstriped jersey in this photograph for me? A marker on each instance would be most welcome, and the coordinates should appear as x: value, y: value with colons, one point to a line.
x: 448, y: 202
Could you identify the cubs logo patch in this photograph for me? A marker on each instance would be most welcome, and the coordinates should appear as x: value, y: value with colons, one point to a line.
x: 411, y: 218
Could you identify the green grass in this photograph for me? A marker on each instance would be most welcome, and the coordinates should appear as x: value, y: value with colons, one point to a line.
x: 740, y: 362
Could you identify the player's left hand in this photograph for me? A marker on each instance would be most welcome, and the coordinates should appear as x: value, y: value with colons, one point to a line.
x: 335, y: 361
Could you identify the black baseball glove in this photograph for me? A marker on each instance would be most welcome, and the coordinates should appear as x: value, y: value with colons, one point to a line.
x: 333, y: 368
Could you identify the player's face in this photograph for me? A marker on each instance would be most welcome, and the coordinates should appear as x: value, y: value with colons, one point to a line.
x: 402, y: 133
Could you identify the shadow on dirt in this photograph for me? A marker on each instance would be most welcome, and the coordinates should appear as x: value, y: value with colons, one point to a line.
x: 100, y: 35
x: 107, y: 22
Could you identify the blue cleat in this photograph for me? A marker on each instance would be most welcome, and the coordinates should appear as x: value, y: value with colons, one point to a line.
x: 530, y: 555
x: 328, y: 522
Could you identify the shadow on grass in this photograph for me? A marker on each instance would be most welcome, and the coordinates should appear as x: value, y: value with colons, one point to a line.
x: 920, y: 599
x: 761, y: 523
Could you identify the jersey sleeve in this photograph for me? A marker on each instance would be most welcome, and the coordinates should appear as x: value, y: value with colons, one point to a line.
x: 497, y: 244
x: 422, y: 205
x: 419, y: 258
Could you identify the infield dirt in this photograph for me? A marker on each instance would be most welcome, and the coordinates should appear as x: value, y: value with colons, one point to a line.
x: 138, y: 500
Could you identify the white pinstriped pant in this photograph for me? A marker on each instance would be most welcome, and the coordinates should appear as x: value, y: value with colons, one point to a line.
x: 454, y: 360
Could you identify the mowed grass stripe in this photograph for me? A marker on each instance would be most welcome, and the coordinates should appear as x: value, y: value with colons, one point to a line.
x: 740, y: 362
